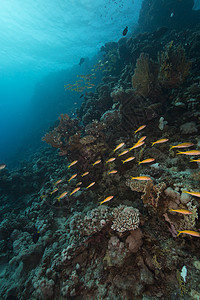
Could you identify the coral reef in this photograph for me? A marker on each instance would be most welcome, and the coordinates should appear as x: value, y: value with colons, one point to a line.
x: 150, y: 193
x: 95, y: 104
x: 116, y: 252
x: 127, y: 248
x: 60, y: 135
x: 145, y: 77
x: 125, y: 218
x: 188, y: 128
x: 174, y: 67
x: 170, y: 71
x: 134, y: 240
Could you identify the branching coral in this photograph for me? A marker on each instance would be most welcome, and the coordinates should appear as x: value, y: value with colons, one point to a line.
x: 125, y: 218
x: 53, y: 138
x: 67, y: 137
x: 60, y: 135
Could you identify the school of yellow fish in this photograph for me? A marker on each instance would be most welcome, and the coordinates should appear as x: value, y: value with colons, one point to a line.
x: 84, y: 81
x: 138, y: 144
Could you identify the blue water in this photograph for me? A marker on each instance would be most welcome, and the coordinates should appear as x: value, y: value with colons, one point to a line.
x: 39, y: 38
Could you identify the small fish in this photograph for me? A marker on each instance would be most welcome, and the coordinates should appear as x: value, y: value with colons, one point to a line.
x: 107, y: 199
x: 159, y: 141
x: 110, y: 160
x: 119, y: 146
x: 191, y: 152
x: 96, y: 162
x: 75, y: 190
x: 125, y: 31
x: 81, y: 96
x: 123, y: 153
x: 73, y: 163
x: 58, y: 181
x: 2, y: 166
x: 79, y: 183
x: 195, y: 160
x: 183, y: 145
x: 190, y: 232
x: 81, y: 61
x: 90, y: 185
x: 141, y: 178
x: 196, y: 194
x: 43, y: 197
x: 72, y: 177
x: 54, y: 191
x: 140, y: 128
x: 62, y: 195
x: 146, y: 161
x: 181, y: 211
x: 141, y: 139
x: 137, y: 145
x: 128, y: 159
x: 112, y: 172
x: 84, y: 174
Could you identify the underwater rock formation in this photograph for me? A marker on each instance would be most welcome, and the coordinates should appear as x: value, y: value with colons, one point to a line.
x: 168, y: 13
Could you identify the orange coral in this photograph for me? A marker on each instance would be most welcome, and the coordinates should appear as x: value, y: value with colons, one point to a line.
x: 59, y: 137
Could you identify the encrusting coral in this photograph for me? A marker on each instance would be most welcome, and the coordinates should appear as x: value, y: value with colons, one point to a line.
x: 116, y: 252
